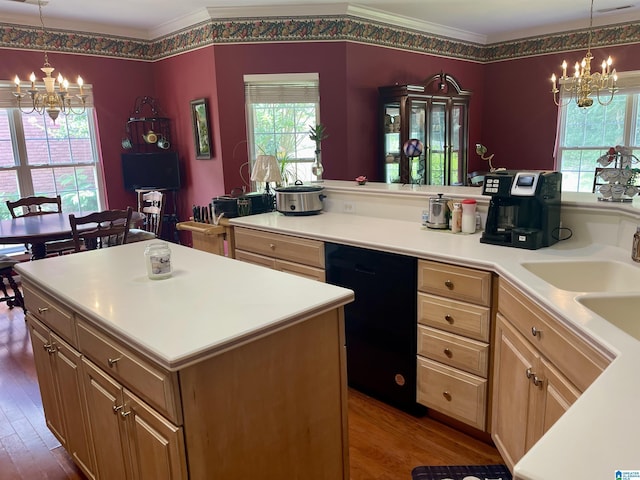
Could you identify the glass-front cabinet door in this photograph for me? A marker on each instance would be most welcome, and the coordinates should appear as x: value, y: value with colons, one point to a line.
x: 437, y: 120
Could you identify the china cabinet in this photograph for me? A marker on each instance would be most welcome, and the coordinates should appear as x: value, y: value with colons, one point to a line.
x: 436, y: 113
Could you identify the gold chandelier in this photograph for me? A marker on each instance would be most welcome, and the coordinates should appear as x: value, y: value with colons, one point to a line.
x: 53, y: 100
x: 583, y: 83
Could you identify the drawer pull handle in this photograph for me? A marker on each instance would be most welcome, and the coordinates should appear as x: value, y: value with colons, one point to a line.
x: 117, y: 408
x: 448, y: 318
x: 272, y: 246
x: 448, y: 284
x: 535, y: 332
x: 125, y: 414
x: 446, y: 395
x: 529, y: 373
x: 49, y: 347
x: 537, y: 381
x: 42, y: 309
x: 448, y: 352
x: 113, y: 361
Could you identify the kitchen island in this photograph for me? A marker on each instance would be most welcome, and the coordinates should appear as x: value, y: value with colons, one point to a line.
x: 221, y: 371
x: 597, y: 435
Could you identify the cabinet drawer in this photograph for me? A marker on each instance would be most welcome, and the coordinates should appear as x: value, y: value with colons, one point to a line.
x: 154, y: 385
x: 450, y: 391
x: 461, y: 283
x: 456, y: 317
x: 255, y: 259
x: 581, y: 362
x: 55, y: 315
x: 301, y: 270
x: 453, y: 350
x: 283, y: 247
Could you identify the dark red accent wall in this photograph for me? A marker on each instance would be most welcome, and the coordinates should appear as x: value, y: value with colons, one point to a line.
x: 511, y: 110
x: 519, y: 115
x: 116, y: 84
x: 178, y: 80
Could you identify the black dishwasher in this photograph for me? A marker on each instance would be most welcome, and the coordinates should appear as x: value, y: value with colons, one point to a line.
x: 380, y: 324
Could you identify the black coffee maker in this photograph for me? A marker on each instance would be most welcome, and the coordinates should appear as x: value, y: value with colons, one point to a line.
x: 524, y: 210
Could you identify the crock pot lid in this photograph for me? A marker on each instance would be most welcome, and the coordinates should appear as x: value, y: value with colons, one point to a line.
x: 299, y: 188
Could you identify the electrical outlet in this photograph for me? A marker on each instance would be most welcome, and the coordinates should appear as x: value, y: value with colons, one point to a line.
x: 348, y: 207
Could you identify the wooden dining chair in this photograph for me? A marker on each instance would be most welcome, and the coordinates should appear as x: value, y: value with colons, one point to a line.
x: 151, y: 205
x: 39, y: 205
x: 100, y: 229
x: 32, y: 206
x: 6, y: 272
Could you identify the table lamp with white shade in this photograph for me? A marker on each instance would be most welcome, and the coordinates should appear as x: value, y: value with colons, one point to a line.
x: 266, y: 169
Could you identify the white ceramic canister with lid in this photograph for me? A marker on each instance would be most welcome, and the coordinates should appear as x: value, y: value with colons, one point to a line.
x: 468, y: 215
x: 157, y: 257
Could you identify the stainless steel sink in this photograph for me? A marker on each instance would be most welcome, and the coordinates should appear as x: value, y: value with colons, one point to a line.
x: 621, y: 311
x: 588, y: 276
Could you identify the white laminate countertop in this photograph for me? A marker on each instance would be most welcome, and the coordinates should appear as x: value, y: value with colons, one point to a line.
x: 210, y: 304
x: 599, y: 433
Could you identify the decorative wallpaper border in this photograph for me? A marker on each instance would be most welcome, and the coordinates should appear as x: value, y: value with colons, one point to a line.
x: 307, y: 29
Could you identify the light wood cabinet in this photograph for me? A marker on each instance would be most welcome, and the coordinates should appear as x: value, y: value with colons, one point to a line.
x: 108, y: 430
x: 540, y: 370
x: 122, y: 416
x: 58, y: 366
x: 454, y: 323
x: 133, y: 440
x: 286, y: 253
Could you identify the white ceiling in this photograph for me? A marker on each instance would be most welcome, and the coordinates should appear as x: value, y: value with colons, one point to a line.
x: 481, y: 21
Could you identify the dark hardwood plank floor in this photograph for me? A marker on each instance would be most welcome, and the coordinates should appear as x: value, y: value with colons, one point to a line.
x: 385, y: 443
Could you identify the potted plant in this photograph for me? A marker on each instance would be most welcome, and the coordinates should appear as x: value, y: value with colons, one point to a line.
x: 317, y: 134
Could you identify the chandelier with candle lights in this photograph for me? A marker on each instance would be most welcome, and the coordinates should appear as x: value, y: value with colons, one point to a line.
x: 583, y: 84
x: 57, y: 96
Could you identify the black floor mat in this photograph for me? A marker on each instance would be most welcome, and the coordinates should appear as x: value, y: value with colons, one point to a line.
x: 462, y: 472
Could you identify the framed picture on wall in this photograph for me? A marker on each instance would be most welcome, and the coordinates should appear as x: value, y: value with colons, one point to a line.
x: 201, y: 135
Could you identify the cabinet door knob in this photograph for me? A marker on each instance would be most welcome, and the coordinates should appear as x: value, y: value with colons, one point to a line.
x: 113, y: 361
x: 125, y: 414
x: 42, y: 309
x: 446, y: 395
x: 272, y: 246
x: 117, y: 408
x: 535, y: 332
x: 448, y: 318
x: 529, y: 373
x: 448, y: 284
x: 537, y: 381
x: 448, y: 352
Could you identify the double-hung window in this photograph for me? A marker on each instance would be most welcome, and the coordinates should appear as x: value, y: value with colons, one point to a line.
x: 280, y: 111
x: 40, y: 157
x: 585, y: 134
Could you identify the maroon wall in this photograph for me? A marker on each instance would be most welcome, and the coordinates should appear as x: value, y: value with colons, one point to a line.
x: 519, y: 114
x: 116, y: 85
x: 369, y: 67
x: 513, y: 115
x: 350, y: 75
x: 179, y: 80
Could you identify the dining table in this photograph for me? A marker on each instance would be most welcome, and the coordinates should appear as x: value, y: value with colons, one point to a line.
x: 37, y: 230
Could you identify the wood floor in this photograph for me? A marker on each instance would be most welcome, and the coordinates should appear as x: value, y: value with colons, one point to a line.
x: 385, y: 444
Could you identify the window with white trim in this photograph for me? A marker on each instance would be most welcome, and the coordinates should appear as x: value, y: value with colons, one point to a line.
x: 40, y: 157
x: 586, y: 134
x: 281, y: 109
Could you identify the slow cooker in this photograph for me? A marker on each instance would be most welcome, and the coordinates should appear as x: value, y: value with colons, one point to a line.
x: 299, y: 199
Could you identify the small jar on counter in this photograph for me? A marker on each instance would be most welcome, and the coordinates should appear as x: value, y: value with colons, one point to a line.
x: 456, y: 218
x: 157, y: 257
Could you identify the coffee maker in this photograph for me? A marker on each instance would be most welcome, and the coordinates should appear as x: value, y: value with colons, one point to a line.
x: 524, y: 210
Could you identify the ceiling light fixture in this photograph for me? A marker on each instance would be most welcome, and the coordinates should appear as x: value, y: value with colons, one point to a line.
x: 583, y: 83
x: 52, y: 101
